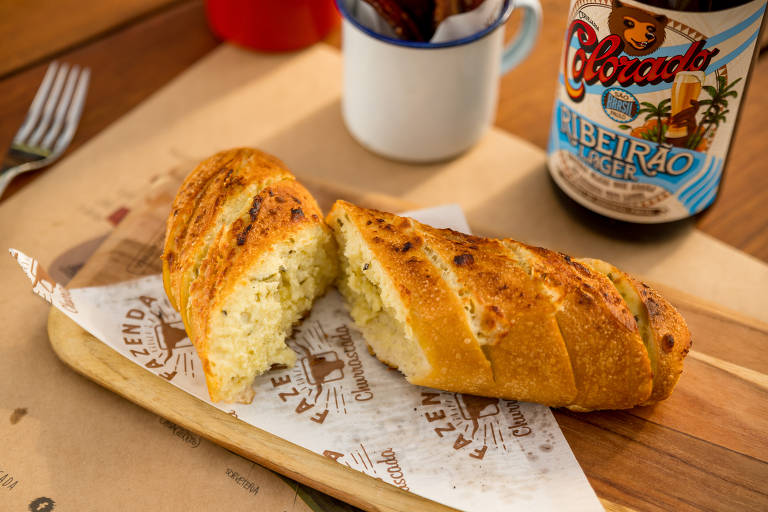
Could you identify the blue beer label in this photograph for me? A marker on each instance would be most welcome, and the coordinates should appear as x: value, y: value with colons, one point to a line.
x: 646, y: 106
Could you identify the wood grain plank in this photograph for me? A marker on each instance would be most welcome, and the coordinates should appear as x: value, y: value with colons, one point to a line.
x: 717, y: 335
x: 34, y: 30
x: 649, y: 466
x: 751, y: 376
x: 127, y: 66
x: 716, y: 407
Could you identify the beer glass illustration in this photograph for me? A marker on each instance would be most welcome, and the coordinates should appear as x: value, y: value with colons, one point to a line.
x: 684, y: 104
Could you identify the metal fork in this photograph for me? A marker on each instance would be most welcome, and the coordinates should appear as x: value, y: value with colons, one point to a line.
x: 50, y: 124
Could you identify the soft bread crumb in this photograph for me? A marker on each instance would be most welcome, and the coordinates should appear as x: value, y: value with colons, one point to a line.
x: 374, y: 303
x: 248, y: 332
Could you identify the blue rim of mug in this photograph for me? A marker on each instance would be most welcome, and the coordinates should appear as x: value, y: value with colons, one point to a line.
x: 506, y: 11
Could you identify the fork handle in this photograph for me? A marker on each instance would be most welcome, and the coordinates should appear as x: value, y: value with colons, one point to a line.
x: 7, y: 173
x: 17, y: 160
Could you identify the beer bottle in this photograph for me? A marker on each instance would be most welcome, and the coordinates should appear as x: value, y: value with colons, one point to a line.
x: 647, y: 101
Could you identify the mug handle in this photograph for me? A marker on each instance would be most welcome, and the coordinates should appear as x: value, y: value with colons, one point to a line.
x: 519, y: 48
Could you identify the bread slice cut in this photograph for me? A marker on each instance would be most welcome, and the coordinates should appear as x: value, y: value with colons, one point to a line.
x: 663, y: 329
x: 254, y: 256
x: 610, y: 363
x: 183, y: 208
x: 409, y: 315
x: 212, y: 197
x: 514, y: 323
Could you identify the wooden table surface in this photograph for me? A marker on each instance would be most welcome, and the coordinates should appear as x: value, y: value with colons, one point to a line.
x: 136, y: 48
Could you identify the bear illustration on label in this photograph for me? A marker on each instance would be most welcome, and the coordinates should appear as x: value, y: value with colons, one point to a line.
x: 641, y: 31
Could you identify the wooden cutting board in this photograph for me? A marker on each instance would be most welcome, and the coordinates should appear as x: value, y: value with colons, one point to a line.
x: 705, y: 448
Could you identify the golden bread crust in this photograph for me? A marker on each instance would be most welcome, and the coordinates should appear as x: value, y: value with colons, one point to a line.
x: 609, y: 360
x: 184, y: 205
x: 277, y: 213
x: 435, y: 314
x: 241, y: 173
x: 671, y: 336
x: 528, y: 355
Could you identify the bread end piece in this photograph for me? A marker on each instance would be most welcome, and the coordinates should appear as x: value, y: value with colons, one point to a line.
x: 665, y: 334
x: 254, y: 255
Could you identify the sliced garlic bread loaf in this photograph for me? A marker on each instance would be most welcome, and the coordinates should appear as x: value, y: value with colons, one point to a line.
x: 246, y: 254
x: 497, y: 317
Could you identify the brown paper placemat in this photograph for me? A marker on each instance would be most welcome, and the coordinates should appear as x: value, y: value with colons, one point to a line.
x: 69, y: 440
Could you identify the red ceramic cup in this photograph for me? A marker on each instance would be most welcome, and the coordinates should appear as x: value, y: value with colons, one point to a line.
x: 272, y: 25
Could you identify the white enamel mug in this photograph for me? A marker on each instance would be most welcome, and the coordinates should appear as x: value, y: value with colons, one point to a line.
x: 424, y: 102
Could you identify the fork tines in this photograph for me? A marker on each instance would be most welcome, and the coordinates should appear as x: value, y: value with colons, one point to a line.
x: 55, y: 112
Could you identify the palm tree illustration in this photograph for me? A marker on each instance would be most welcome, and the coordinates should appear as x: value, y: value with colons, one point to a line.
x: 651, y: 111
x: 659, y: 112
x: 717, y: 108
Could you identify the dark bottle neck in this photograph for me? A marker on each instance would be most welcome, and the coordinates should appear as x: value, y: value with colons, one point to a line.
x: 695, y: 5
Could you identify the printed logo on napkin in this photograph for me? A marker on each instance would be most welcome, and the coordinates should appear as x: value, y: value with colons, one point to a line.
x: 328, y: 376
x: 154, y: 335
x: 339, y: 401
x: 475, y: 423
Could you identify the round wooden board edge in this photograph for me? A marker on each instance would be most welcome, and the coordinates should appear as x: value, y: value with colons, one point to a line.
x: 98, y: 362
